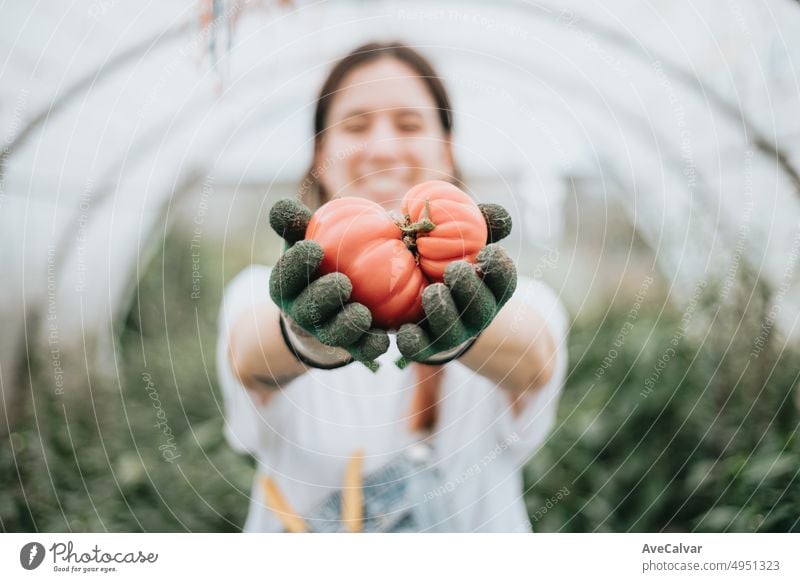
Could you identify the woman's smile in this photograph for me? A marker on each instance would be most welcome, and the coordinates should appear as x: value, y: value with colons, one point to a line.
x: 383, y: 135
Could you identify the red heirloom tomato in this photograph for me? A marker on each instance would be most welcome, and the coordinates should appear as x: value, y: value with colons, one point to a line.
x: 390, y: 263
x: 460, y: 229
x: 360, y: 239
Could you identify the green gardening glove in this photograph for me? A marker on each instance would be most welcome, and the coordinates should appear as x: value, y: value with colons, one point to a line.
x: 459, y: 309
x: 318, y: 306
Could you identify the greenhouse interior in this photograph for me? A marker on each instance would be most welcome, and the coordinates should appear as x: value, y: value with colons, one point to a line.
x: 648, y: 153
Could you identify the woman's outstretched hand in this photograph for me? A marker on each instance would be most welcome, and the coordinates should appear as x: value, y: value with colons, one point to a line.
x: 459, y: 309
x: 318, y: 306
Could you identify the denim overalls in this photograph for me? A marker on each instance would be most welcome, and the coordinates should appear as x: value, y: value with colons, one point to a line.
x: 397, y: 497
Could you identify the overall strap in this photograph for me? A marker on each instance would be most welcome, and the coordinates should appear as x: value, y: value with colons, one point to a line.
x: 425, y: 399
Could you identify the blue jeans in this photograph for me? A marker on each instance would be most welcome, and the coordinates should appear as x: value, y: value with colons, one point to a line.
x: 397, y: 498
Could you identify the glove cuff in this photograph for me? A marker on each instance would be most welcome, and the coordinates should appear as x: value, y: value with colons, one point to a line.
x: 310, y: 351
x: 452, y: 354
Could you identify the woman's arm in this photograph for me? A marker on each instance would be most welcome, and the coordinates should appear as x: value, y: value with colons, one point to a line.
x: 516, y: 351
x: 258, y: 356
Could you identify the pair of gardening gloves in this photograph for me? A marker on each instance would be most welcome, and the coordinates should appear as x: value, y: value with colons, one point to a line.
x: 456, y: 311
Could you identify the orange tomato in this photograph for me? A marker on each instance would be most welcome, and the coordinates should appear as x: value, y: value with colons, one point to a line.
x: 460, y: 231
x: 391, y: 263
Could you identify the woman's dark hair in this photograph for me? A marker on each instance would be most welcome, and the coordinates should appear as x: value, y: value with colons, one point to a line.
x: 311, y: 191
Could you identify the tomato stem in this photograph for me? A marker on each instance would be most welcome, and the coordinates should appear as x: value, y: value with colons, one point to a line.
x: 424, y: 225
x: 412, y: 230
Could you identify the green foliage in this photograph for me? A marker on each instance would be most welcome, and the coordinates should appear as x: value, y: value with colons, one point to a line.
x: 711, y: 446
x: 97, y: 458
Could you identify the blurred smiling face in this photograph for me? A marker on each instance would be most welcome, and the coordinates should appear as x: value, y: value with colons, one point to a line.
x: 383, y: 135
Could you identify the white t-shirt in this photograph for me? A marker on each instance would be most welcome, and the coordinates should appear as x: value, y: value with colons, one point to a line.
x: 305, y: 435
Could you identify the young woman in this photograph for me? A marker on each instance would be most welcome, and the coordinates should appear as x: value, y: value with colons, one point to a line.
x: 437, y: 446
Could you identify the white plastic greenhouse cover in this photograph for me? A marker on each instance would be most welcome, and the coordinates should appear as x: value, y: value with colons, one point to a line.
x: 110, y: 111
